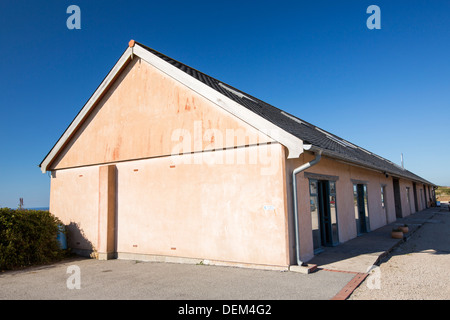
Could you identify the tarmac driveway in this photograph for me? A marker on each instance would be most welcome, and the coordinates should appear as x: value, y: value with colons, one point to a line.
x: 126, y: 279
x: 90, y: 279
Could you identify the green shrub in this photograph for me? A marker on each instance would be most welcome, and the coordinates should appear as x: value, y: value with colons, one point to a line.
x: 28, y: 237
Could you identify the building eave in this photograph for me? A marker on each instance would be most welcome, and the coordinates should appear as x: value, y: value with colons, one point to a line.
x: 293, y: 144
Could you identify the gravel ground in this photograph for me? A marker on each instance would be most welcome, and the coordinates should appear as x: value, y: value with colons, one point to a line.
x: 418, y: 269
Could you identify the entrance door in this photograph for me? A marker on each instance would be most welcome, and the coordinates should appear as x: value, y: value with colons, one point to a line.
x: 416, y: 205
x: 383, y: 203
x: 422, y: 198
x: 425, y: 196
x: 323, y: 213
x: 397, y: 200
x: 361, y: 208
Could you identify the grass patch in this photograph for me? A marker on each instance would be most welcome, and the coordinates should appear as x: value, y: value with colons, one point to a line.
x: 443, y: 194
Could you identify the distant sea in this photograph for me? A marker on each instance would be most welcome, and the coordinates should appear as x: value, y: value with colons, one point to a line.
x: 39, y: 208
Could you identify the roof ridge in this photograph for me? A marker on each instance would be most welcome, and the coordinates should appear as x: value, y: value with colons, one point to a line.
x: 290, y: 122
x: 215, y: 79
x: 295, y: 130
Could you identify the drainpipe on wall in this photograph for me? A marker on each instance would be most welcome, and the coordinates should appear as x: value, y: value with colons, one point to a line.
x: 318, y: 153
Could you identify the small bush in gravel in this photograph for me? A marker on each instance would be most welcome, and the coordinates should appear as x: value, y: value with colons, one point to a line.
x: 28, y: 237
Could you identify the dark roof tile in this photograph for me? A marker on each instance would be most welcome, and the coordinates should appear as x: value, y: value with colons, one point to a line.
x: 332, y: 145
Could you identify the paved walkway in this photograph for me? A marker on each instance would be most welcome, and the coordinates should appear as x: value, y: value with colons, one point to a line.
x: 360, y: 254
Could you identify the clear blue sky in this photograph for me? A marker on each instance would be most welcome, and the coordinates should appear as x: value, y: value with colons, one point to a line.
x: 386, y: 90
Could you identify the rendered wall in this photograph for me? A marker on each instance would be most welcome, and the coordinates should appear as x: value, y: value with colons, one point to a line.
x: 191, y: 206
x: 409, y: 208
x: 147, y: 114
x: 74, y: 198
x: 227, y: 205
x: 347, y: 175
x: 226, y: 212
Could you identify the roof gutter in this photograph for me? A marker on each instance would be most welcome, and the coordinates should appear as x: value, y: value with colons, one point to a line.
x: 318, y: 153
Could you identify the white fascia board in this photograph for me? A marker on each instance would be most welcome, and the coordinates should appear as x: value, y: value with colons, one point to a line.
x: 291, y: 142
x: 86, y: 109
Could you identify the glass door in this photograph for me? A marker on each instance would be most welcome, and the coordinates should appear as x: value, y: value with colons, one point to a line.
x: 333, y: 213
x: 323, y: 213
x: 383, y: 203
x: 360, y: 201
x: 315, y: 217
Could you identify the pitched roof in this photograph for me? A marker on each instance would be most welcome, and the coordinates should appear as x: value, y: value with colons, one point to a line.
x: 332, y: 145
x: 295, y: 132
